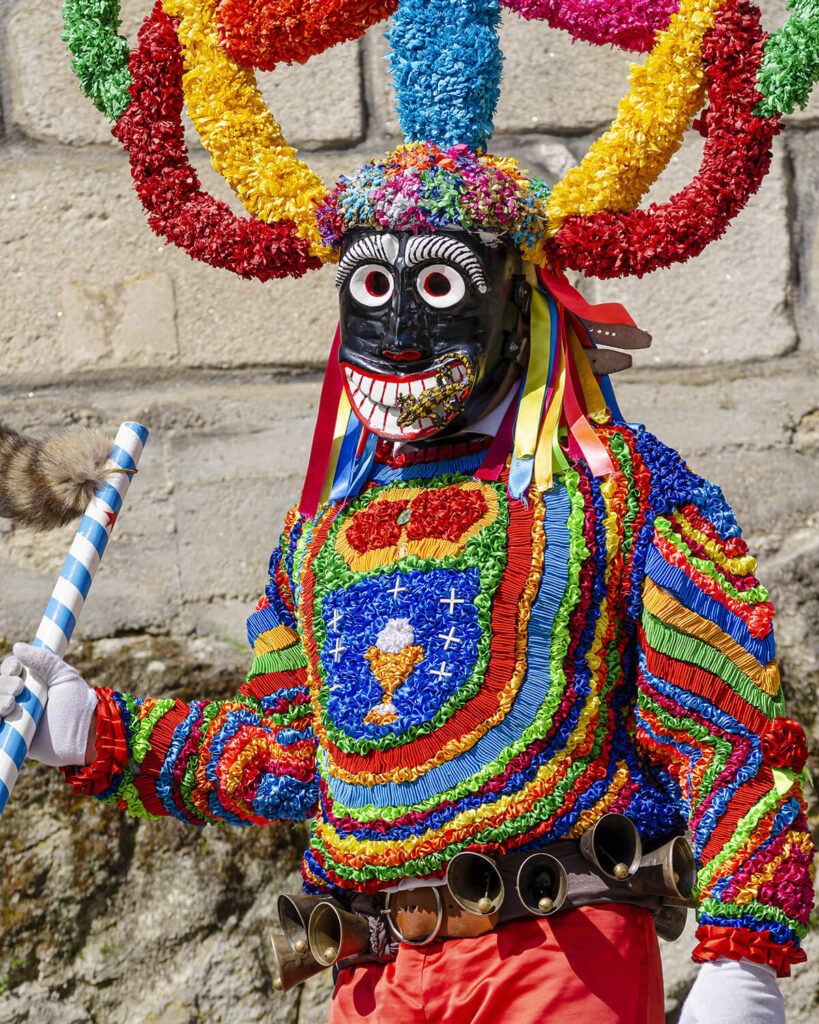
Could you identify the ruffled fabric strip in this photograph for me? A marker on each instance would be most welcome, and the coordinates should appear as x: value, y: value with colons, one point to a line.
x: 111, y: 750
x: 151, y: 132
x: 739, y: 943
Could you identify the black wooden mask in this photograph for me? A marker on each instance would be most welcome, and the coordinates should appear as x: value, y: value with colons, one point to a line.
x: 422, y: 328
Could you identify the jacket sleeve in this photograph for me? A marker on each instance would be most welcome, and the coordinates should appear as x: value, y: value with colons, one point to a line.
x: 711, y: 718
x: 246, y: 760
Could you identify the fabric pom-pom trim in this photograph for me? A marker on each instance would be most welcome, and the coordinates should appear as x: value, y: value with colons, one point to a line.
x: 424, y: 187
x: 784, y: 744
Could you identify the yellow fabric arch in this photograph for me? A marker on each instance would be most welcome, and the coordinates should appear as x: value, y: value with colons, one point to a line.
x: 666, y: 93
x: 236, y: 127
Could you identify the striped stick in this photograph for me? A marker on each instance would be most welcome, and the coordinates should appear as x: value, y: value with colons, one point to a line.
x: 67, y: 598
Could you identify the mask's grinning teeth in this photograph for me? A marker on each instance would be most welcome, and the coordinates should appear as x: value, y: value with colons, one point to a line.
x: 404, y: 408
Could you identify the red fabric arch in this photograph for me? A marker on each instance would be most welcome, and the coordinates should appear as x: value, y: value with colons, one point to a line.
x: 737, y: 157
x: 264, y: 33
x: 167, y: 184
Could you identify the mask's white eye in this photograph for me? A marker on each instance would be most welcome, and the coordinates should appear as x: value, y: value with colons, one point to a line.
x: 440, y: 285
x: 371, y: 285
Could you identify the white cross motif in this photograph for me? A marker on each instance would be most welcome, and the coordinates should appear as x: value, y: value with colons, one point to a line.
x: 452, y: 600
x: 337, y: 617
x: 442, y: 673
x: 338, y: 650
x: 449, y: 638
x: 397, y: 588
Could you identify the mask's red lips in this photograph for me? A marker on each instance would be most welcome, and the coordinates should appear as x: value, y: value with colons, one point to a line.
x: 408, y: 355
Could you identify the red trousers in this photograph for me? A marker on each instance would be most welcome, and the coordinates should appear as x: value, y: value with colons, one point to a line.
x: 595, y: 965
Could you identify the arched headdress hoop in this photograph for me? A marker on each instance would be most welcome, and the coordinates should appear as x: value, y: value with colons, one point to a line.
x: 446, y: 64
x: 697, y: 51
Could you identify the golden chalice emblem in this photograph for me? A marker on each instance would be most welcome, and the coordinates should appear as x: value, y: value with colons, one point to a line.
x: 392, y: 659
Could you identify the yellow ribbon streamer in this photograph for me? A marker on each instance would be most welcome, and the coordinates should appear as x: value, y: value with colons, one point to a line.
x: 546, y: 463
x: 595, y: 402
x: 339, y: 432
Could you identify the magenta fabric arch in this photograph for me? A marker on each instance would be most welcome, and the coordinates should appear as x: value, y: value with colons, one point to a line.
x: 629, y: 24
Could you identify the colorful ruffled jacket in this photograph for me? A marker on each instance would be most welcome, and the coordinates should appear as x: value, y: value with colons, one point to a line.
x: 439, y: 668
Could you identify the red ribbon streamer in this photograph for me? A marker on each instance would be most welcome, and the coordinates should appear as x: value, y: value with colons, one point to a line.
x: 495, y: 460
x: 323, y: 435
x: 566, y: 295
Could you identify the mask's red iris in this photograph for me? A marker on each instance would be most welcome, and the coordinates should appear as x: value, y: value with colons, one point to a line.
x: 377, y: 283
x: 437, y: 285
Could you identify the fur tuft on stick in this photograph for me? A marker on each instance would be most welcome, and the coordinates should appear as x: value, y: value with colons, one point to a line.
x: 45, y: 484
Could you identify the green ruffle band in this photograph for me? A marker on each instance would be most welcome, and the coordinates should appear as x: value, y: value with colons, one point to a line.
x: 623, y: 455
x: 762, y: 911
x: 676, y: 724
x: 790, y: 65
x: 754, y: 595
x: 742, y: 834
x: 288, y: 659
x: 140, y: 738
x: 438, y: 860
x: 690, y: 649
x: 99, y: 55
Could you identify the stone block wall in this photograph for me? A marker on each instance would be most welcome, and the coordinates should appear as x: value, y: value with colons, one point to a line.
x: 124, y: 923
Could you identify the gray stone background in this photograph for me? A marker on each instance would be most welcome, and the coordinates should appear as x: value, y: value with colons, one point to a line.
x: 110, y: 921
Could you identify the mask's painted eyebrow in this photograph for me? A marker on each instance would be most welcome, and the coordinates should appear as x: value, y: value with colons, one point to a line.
x: 369, y: 247
x: 446, y: 249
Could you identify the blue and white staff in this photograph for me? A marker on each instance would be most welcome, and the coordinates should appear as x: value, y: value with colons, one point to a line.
x: 17, y: 728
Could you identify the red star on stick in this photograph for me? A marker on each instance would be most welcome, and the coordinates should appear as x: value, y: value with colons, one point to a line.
x: 112, y: 518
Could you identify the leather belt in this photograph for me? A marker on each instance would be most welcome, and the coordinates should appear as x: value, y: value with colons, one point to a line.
x: 422, y: 914
x: 428, y: 912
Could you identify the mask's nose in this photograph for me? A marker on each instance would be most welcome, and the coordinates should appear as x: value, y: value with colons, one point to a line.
x: 403, y: 339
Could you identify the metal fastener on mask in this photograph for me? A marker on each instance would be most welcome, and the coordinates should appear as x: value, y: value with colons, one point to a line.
x: 442, y: 402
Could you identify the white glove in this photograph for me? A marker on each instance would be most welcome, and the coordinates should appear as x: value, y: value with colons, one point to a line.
x: 65, y: 730
x: 734, y: 992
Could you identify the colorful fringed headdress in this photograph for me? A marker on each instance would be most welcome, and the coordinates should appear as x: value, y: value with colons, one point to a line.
x: 446, y: 64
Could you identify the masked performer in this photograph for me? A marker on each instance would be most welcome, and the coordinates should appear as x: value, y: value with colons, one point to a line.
x: 512, y: 649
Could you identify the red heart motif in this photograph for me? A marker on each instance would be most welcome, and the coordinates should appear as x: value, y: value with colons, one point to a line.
x: 445, y: 514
